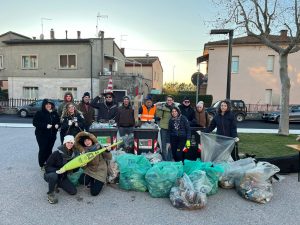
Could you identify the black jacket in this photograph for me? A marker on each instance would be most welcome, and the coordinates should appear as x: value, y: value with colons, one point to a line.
x: 188, y: 112
x: 105, y: 112
x: 225, y: 124
x: 179, y: 127
x: 42, y: 118
x: 72, y: 130
x: 125, y: 116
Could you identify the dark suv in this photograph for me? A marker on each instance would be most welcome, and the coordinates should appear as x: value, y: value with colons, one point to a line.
x: 32, y: 108
x: 238, y: 107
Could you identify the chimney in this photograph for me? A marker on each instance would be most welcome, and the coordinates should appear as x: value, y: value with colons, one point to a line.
x: 78, y: 34
x: 52, y: 34
x: 123, y: 50
x: 66, y: 34
x: 283, y: 33
x: 33, y: 38
x: 42, y: 37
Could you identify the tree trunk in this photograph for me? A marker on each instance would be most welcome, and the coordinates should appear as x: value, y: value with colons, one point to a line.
x: 283, y: 128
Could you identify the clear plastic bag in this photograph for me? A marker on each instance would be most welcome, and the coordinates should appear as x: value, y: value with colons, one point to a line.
x: 113, y: 169
x: 152, y: 157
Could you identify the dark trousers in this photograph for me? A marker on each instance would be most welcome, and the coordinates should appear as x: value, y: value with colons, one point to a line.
x: 177, y: 145
x: 95, y: 185
x: 45, y: 147
x: 54, y: 179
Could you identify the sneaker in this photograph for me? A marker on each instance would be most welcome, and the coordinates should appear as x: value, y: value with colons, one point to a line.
x: 52, y: 199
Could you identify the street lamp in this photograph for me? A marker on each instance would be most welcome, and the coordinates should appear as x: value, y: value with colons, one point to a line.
x: 230, y: 32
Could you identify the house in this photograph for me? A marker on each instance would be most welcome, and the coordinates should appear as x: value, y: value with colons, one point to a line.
x: 150, y: 67
x: 254, y: 70
x: 47, y: 68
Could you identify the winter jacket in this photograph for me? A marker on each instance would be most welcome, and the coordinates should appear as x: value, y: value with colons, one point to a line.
x: 62, y: 105
x: 67, y: 129
x: 125, y: 116
x: 188, y: 112
x: 179, y: 127
x: 59, y: 158
x: 225, y: 125
x: 88, y: 113
x: 164, y: 113
x: 97, y: 168
x: 42, y: 118
x: 105, y: 111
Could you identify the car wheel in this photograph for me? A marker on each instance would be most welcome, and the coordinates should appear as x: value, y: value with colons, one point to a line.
x: 239, y: 117
x: 23, y: 113
x: 277, y: 119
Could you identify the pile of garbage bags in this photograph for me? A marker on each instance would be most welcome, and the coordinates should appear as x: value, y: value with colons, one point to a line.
x: 113, y: 168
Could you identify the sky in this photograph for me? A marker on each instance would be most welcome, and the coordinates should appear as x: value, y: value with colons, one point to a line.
x: 173, y: 30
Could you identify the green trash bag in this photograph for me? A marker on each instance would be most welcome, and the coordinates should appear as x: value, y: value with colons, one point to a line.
x: 162, y: 177
x: 133, y: 169
x: 74, y: 177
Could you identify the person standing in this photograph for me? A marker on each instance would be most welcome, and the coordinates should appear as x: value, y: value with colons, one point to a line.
x: 163, y: 113
x: 68, y: 98
x: 147, y: 112
x: 125, y: 117
x: 180, y: 134
x: 187, y: 110
x: 46, y: 122
x: 95, y: 172
x: 225, y: 123
x: 87, y: 110
x: 58, y: 159
x: 108, y: 109
x: 72, y: 121
x: 201, y: 116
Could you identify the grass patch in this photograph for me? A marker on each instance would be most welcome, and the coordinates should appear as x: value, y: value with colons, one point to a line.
x: 266, y: 145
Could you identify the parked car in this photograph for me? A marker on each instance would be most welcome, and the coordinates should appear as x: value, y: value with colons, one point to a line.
x: 294, y: 115
x: 32, y: 108
x: 238, y: 107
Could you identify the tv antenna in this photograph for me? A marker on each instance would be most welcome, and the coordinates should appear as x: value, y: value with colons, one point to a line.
x: 99, y: 16
x: 42, y: 23
x: 121, y: 39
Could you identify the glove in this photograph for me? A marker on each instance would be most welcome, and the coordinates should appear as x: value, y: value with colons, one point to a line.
x: 49, y: 126
x: 236, y: 139
x: 56, y: 126
x: 70, y: 122
x: 185, y: 150
x: 188, y: 144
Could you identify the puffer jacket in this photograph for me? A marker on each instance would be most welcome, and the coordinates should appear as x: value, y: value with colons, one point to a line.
x: 97, y: 168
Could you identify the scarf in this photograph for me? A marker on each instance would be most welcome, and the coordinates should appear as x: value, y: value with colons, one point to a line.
x: 176, y: 122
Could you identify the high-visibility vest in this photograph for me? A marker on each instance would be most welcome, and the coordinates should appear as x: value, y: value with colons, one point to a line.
x: 148, y: 115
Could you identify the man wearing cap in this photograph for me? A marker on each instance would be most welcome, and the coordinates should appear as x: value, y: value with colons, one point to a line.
x: 108, y: 109
x: 147, y: 111
x: 187, y: 110
x: 125, y: 117
x: 87, y: 110
x: 56, y: 160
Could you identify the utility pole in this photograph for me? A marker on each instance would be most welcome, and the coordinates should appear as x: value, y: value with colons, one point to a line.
x: 99, y: 16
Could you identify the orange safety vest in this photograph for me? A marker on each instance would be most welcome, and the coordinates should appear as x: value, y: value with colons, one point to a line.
x: 148, y: 115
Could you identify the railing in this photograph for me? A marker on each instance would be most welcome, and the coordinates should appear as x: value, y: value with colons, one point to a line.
x: 15, y: 102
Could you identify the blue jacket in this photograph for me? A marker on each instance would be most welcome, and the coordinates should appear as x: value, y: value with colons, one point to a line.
x: 181, y: 129
x: 225, y: 124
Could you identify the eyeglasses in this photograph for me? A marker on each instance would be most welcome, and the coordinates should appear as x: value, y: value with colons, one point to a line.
x: 108, y: 97
x: 186, y: 101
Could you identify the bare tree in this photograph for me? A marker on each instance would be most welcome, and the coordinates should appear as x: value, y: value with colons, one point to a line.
x: 258, y: 18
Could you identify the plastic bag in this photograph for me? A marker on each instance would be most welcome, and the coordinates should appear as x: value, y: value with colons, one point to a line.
x: 74, y: 177
x: 112, y: 167
x: 133, y: 169
x: 152, y: 157
x: 255, y: 184
x: 162, y: 177
x: 216, y: 148
x: 233, y: 170
x: 184, y: 195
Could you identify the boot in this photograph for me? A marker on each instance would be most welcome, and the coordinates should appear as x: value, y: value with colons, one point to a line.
x: 52, y: 199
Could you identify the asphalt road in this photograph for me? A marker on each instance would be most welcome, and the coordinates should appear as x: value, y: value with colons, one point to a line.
x: 257, y: 124
x: 24, y: 200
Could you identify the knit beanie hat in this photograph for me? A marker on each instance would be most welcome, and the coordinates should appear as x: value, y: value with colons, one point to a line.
x: 200, y: 103
x: 69, y: 138
x: 86, y: 94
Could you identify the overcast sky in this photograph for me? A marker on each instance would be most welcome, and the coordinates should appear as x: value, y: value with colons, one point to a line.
x: 173, y: 30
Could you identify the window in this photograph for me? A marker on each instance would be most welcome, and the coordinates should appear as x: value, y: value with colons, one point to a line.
x: 29, y: 62
x: 1, y: 61
x: 67, y: 61
x: 235, y: 64
x: 73, y: 90
x: 31, y: 92
x: 270, y: 63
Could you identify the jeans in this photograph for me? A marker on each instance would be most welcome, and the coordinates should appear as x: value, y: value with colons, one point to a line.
x: 54, y: 179
x: 165, y: 145
x: 95, y: 185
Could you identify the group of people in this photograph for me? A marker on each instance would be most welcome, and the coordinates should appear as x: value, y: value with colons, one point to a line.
x: 74, y: 121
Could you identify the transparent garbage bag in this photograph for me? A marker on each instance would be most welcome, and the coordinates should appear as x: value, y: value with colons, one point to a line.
x: 152, y: 157
x: 255, y: 184
x: 184, y: 195
x: 113, y: 169
x: 162, y: 177
x: 216, y: 148
x: 234, y: 169
x: 133, y: 169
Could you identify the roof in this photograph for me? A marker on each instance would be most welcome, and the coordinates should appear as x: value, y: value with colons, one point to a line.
x: 46, y: 41
x: 11, y: 32
x: 144, y: 60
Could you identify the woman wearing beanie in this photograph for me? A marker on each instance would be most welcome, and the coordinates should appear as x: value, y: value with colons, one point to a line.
x: 87, y: 110
x: 46, y: 122
x: 58, y: 159
x: 95, y: 172
x: 201, y: 116
x: 180, y: 134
